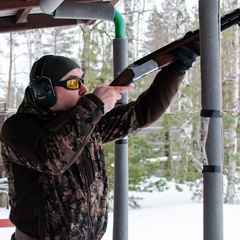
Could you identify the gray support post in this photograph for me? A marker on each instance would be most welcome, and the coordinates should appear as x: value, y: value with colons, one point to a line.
x: 211, y: 110
x: 93, y: 11
x: 120, y: 215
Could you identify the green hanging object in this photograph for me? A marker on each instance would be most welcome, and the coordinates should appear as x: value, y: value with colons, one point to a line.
x: 120, y: 25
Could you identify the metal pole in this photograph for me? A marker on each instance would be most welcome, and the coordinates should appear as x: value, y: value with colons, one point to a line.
x: 92, y: 11
x: 120, y: 215
x: 211, y: 119
x: 49, y: 6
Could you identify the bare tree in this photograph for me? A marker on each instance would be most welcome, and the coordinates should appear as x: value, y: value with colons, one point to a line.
x: 232, y: 146
x: 9, y: 88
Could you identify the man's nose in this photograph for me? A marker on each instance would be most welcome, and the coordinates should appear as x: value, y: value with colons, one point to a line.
x: 83, y: 90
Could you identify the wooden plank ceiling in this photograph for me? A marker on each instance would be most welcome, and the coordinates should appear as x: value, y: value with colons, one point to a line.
x: 18, y: 15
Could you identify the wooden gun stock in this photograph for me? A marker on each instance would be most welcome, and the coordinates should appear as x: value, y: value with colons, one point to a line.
x: 163, y: 56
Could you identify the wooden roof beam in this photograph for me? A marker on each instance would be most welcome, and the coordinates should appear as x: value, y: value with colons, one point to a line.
x: 22, y: 14
x: 11, y: 5
x: 7, y: 24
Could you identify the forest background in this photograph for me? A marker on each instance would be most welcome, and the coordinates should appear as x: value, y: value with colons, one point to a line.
x: 168, y: 150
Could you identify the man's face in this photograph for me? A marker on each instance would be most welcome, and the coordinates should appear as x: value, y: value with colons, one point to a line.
x: 67, y: 98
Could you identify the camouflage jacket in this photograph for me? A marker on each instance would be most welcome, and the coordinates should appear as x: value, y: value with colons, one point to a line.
x: 55, y: 161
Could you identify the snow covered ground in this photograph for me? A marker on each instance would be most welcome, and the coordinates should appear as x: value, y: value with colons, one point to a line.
x: 168, y: 215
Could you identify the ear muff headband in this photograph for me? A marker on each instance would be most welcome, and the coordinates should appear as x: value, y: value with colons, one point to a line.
x: 41, y: 87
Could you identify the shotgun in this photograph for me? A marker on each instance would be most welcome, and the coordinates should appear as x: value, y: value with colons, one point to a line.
x: 163, y: 57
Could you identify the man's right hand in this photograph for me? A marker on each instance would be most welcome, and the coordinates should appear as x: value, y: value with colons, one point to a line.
x: 186, y: 56
x: 109, y: 95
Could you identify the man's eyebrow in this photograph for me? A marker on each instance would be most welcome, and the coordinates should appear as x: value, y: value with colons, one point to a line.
x: 72, y: 76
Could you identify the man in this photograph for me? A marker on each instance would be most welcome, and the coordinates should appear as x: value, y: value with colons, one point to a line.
x: 52, y: 147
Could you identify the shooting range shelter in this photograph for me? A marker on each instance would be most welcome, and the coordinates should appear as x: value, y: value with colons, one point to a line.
x: 22, y: 15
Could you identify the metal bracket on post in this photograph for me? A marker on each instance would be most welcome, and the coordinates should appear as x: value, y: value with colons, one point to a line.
x: 206, y: 116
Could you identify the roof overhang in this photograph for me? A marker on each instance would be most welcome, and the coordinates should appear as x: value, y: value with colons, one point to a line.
x: 18, y: 15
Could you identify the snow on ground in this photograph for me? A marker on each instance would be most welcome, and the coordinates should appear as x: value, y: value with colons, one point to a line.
x: 167, y: 215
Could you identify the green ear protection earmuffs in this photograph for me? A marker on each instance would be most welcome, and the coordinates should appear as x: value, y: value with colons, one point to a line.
x: 41, y: 87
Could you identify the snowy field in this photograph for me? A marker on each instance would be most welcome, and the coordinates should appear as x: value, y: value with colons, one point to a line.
x: 168, y: 215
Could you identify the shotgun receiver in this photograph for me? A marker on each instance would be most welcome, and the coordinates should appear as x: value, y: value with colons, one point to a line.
x: 163, y: 57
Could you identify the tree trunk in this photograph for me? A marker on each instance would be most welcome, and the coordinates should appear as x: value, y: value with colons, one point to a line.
x: 184, y: 103
x: 86, y: 50
x: 38, y: 45
x: 233, y: 129
x: 9, y: 89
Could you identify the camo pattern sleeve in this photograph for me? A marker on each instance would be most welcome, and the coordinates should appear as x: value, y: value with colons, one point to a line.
x: 147, y: 108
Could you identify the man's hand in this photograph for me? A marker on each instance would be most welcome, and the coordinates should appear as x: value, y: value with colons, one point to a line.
x: 109, y: 95
x: 186, y: 56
